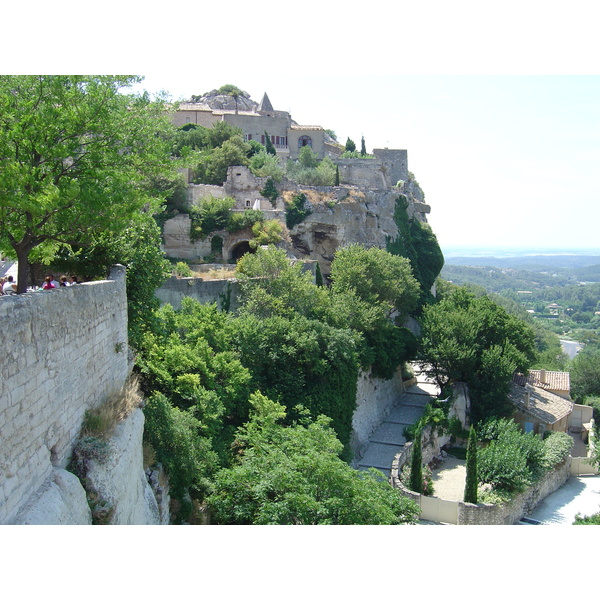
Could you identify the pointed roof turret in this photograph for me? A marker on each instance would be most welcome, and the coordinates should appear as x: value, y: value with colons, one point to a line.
x: 265, y: 105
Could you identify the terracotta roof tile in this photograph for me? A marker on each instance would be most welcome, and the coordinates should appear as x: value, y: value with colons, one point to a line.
x: 546, y: 380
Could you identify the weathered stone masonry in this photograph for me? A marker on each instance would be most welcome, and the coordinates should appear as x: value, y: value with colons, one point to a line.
x: 63, y: 351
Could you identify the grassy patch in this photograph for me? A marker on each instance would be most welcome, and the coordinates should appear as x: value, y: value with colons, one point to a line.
x: 99, y: 422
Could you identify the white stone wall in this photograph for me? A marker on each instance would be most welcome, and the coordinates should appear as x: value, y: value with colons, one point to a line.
x: 63, y: 351
x: 374, y: 400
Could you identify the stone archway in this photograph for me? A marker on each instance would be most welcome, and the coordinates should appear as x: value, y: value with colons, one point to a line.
x: 241, y: 248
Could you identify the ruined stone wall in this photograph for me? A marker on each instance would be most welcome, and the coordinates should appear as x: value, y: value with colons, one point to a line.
x: 63, y: 351
x: 206, y: 292
x: 363, y: 172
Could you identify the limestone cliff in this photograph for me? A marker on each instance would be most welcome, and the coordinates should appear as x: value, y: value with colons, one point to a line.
x: 362, y: 216
x: 360, y: 210
x: 116, y: 490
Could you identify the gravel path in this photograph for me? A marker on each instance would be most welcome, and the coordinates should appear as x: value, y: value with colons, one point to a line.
x: 449, y: 479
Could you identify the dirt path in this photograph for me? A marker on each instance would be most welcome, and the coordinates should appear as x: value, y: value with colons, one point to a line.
x: 449, y: 479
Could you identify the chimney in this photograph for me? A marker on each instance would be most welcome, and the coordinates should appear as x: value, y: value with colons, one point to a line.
x: 543, y: 376
x: 527, y: 398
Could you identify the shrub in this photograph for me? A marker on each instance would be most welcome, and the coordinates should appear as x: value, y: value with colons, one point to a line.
x: 427, y: 478
x: 270, y: 191
x: 182, y: 269
x: 297, y: 210
x: 503, y: 466
x: 557, y: 446
x: 212, y: 214
x: 243, y: 220
x: 99, y: 422
x: 589, y: 520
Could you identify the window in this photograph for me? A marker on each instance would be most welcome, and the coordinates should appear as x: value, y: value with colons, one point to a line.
x: 247, y: 137
x: 304, y: 140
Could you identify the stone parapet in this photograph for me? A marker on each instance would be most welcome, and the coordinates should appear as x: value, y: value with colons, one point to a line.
x: 64, y: 351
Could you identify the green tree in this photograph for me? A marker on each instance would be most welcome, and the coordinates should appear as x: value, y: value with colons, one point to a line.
x: 265, y: 233
x: 294, y: 476
x: 375, y: 276
x: 363, y: 148
x: 416, y: 464
x: 213, y: 163
x: 266, y: 165
x: 297, y: 210
x: 471, y: 482
x: 137, y: 247
x: 77, y: 156
x: 350, y: 145
x: 470, y: 339
x: 270, y: 191
x: 337, y: 175
x: 585, y: 369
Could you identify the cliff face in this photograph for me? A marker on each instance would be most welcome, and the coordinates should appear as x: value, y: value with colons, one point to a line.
x: 117, y: 490
x: 360, y: 216
x: 360, y: 210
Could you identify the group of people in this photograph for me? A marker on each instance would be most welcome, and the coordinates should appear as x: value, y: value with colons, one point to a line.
x: 9, y: 286
x: 50, y: 283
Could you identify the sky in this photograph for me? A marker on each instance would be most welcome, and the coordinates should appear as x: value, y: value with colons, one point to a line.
x: 497, y: 106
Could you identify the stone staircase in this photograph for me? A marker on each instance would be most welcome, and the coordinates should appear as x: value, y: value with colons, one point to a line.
x: 388, y: 439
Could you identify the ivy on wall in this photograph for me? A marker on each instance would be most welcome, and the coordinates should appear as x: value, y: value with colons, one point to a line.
x: 417, y: 242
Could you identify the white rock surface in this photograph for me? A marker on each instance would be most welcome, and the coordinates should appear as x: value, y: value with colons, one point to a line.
x: 60, y: 501
x: 121, y: 478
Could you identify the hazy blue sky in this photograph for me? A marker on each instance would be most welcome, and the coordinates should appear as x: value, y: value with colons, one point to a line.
x: 497, y: 105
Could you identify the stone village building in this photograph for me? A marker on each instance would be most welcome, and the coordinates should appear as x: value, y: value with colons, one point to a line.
x: 287, y: 136
x: 364, y: 201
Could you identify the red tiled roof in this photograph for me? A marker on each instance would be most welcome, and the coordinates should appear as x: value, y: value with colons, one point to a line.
x: 546, y: 380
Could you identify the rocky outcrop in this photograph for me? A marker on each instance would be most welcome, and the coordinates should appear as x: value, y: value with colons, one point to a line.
x: 60, y: 501
x: 359, y: 216
x: 115, y: 480
x: 110, y: 486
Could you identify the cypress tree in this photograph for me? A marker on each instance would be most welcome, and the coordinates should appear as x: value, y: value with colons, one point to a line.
x: 269, y: 145
x: 318, y: 276
x: 337, y: 175
x: 363, y: 148
x: 350, y: 145
x: 416, y: 468
x: 471, y: 479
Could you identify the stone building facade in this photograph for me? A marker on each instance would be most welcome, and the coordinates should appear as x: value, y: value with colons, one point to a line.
x: 256, y: 121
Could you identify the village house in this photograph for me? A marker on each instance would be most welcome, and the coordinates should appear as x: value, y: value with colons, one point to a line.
x: 539, y: 410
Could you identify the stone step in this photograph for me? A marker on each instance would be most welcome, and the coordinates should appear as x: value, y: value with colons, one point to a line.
x: 386, y: 472
x: 379, y: 455
x: 405, y: 414
x: 425, y: 388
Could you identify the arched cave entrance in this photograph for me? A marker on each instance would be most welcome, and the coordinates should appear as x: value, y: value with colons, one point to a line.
x: 240, y: 249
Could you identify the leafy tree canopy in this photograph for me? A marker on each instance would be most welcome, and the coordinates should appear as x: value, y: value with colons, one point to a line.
x: 77, y: 155
x: 294, y: 476
x: 470, y: 339
x: 375, y: 276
